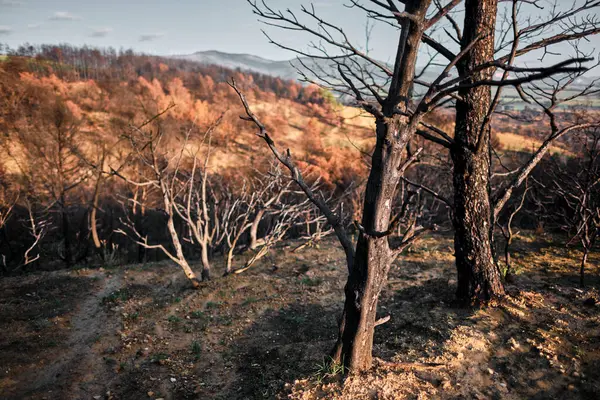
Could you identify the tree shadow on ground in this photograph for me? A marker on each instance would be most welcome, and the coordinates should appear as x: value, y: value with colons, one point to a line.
x: 422, y: 319
x: 559, y: 351
x: 280, y: 347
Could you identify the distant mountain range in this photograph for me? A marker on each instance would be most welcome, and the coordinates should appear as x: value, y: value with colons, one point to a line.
x: 286, y: 69
x: 245, y: 62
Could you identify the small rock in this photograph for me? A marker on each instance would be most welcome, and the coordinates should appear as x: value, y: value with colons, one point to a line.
x: 97, y: 397
x: 490, y: 371
x: 173, y: 380
x: 576, y: 374
x: 150, y: 394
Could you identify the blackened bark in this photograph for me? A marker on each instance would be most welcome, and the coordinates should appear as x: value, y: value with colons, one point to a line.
x: 373, y: 256
x: 582, y: 267
x: 507, y: 257
x: 68, y: 256
x: 478, y: 274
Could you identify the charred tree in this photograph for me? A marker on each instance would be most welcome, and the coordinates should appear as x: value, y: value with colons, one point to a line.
x: 369, y: 264
x: 478, y: 274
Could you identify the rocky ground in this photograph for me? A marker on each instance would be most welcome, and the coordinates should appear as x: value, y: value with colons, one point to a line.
x: 140, y: 332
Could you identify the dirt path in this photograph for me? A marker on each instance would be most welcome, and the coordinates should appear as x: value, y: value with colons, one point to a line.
x: 76, y: 372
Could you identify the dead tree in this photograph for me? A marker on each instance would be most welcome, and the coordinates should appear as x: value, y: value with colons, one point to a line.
x: 38, y: 227
x: 161, y: 172
x: 387, y: 93
x: 574, y: 189
x: 271, y: 187
x: 51, y: 142
x: 286, y: 216
x: 509, y: 235
x: 316, y: 229
x: 237, y: 223
x: 193, y: 206
x: 475, y: 208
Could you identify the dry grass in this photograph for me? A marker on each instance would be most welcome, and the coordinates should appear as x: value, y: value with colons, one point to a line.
x: 515, y: 142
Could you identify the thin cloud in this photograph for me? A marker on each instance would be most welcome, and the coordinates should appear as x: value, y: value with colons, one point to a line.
x: 101, y: 32
x: 150, y: 37
x: 64, y: 16
x: 33, y: 26
x: 5, y: 30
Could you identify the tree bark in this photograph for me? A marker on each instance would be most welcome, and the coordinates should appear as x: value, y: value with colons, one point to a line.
x: 372, y: 259
x: 191, y: 275
x: 254, y: 242
x: 478, y: 274
x: 373, y: 256
x: 582, y: 267
x: 93, y: 214
x: 68, y: 257
x: 205, y: 261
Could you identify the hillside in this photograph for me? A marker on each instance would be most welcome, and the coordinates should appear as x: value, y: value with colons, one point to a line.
x: 289, y: 70
x: 139, y: 332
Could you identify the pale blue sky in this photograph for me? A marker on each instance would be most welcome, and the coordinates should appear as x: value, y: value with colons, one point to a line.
x: 180, y: 26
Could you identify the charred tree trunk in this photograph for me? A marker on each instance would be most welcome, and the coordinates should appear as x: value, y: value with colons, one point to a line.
x: 68, y: 256
x: 478, y: 274
x: 507, y: 258
x: 582, y: 267
x: 396, y: 123
x: 372, y: 258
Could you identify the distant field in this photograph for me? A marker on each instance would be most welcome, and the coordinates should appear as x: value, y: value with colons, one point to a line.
x: 515, y: 142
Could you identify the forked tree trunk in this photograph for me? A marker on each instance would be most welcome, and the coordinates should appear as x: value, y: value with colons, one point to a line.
x: 373, y: 256
x: 180, y: 257
x: 478, y: 274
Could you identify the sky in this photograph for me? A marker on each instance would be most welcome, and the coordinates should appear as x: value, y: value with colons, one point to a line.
x: 172, y: 27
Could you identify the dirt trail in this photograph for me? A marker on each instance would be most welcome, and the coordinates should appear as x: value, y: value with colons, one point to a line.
x: 76, y: 372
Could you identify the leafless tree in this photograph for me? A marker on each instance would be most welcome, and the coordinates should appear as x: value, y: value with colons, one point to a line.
x: 50, y: 142
x: 38, y: 227
x: 237, y: 223
x: 279, y: 209
x: 573, y: 194
x: 316, y: 229
x: 194, y: 205
x: 271, y: 187
x: 388, y: 94
x: 507, y: 231
x: 179, y: 194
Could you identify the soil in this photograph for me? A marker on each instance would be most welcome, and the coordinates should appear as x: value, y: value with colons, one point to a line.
x: 141, y: 332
